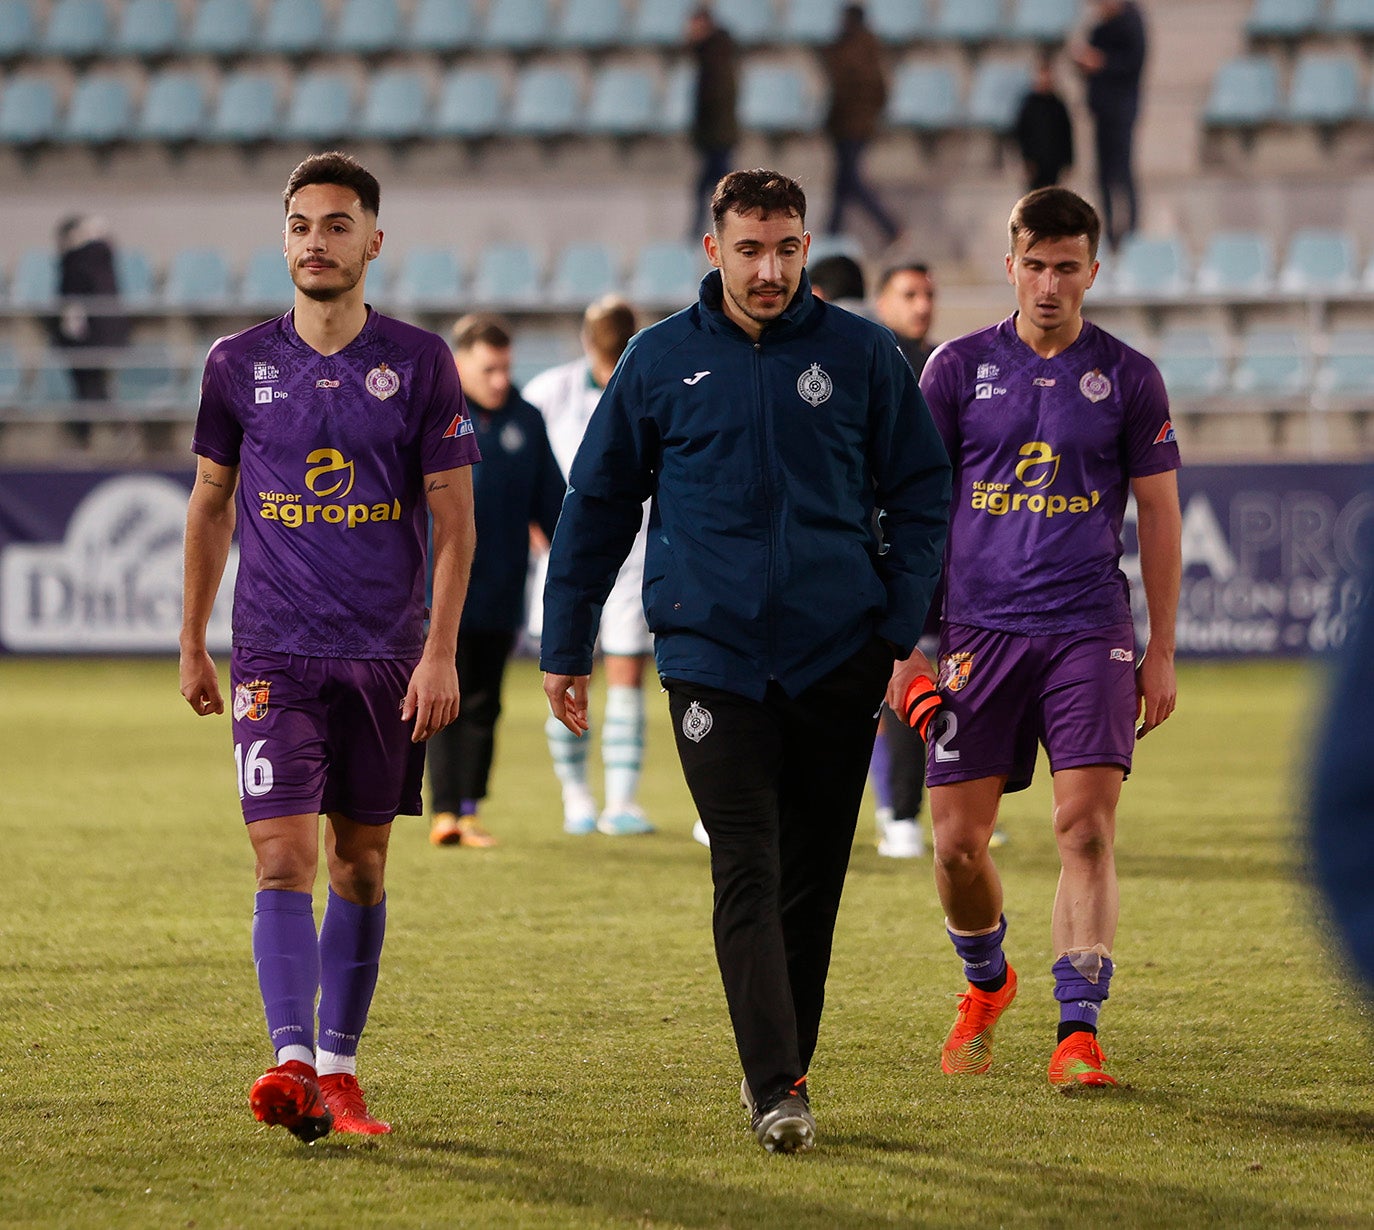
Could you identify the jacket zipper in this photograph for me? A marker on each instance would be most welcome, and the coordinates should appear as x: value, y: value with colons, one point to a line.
x: 765, y: 444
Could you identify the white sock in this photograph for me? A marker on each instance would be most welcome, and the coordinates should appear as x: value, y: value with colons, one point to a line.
x: 622, y: 745
x: 301, y: 1054
x: 327, y: 1063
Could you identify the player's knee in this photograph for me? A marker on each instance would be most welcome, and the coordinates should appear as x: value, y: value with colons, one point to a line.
x: 1086, y: 835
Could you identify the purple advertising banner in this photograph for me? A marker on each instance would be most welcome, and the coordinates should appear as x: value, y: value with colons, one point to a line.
x: 1273, y: 560
x: 90, y: 562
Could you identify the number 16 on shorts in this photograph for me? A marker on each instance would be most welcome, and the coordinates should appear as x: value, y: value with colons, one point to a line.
x: 253, y: 769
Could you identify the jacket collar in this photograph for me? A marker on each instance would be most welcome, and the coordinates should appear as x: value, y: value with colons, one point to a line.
x: 794, y: 317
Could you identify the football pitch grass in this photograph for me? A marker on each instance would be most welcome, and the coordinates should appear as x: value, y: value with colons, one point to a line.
x: 549, y: 1037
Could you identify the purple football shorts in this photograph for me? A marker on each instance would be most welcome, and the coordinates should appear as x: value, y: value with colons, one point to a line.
x: 1004, y: 694
x: 318, y: 735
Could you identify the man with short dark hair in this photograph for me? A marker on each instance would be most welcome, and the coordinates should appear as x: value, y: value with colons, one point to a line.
x: 1052, y: 423
x: 906, y: 305
x: 517, y: 485
x: 764, y: 425
x: 337, y: 429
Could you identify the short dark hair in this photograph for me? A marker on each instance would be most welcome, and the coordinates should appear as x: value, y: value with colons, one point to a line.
x: 481, y: 328
x: 335, y: 167
x: 907, y: 267
x: 837, y: 277
x: 759, y: 190
x: 1054, y: 213
x: 608, y: 325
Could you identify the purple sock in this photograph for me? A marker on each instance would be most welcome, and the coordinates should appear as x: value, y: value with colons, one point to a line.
x: 982, y: 954
x: 879, y: 770
x: 287, y: 955
x: 467, y: 807
x: 1080, y: 1000
x: 350, y: 951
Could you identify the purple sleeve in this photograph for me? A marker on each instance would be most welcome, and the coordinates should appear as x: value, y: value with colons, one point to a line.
x: 218, y: 434
x: 939, y: 380
x: 1151, y: 445
x: 447, y: 436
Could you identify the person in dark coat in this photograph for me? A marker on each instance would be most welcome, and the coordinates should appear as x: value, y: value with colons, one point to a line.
x: 1114, y: 59
x: 858, y: 94
x: 715, y: 124
x: 1044, y: 132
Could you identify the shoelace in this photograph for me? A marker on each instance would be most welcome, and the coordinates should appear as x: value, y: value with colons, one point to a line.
x: 348, y: 1094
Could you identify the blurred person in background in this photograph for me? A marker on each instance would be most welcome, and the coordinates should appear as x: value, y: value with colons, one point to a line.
x: 517, y: 485
x: 566, y: 396
x: 1043, y: 130
x: 715, y: 122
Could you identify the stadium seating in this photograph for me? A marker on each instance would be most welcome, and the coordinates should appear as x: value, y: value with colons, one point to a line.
x: 147, y: 377
x: 368, y: 27
x: 134, y: 277
x: 1043, y: 21
x: 1283, y: 19
x: 396, y: 106
x: 750, y: 21
x: 101, y: 112
x: 223, y: 28
x: 471, y: 103
x: 321, y: 108
x: 1150, y: 267
x: 1192, y: 362
x: 174, y: 107
x: 507, y: 275
x: 295, y: 27
x: 18, y: 29
x: 12, y: 375
x: 623, y: 102
x: 968, y: 21
x: 1348, y: 368
x: 517, y: 25
x: 679, y: 93
x: 995, y: 94
x: 429, y: 277
x: 247, y: 110
x: 266, y: 281
x: 148, y: 29
x: 1351, y: 17
x: 34, y: 283
x: 1325, y: 89
x: 660, y: 23
x: 1236, y: 263
x: 900, y: 21
x: 1319, y: 262
x: 77, y: 29
x: 547, y: 102
x: 28, y: 111
x: 197, y: 279
x: 442, y: 26
x: 583, y: 272
x: 592, y: 25
x: 777, y: 99
x: 1272, y: 362
x: 924, y: 97
x: 811, y: 22
x: 667, y: 273
x: 1245, y: 94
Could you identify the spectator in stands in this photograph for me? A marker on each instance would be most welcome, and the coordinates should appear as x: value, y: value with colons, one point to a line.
x: 1044, y: 132
x: 715, y: 125
x: 858, y: 94
x: 90, y: 319
x: 1113, y: 57
x: 518, y: 484
x: 838, y: 279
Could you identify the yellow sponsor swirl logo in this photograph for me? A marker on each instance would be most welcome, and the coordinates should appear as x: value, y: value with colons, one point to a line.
x: 330, y: 475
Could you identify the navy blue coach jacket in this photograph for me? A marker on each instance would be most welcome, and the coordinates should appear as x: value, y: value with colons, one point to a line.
x: 764, y: 461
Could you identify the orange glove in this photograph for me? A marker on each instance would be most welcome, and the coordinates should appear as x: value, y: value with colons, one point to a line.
x: 921, y: 703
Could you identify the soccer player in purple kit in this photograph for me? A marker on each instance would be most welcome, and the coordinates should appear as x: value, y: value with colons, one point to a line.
x: 1050, y: 423
x: 328, y: 434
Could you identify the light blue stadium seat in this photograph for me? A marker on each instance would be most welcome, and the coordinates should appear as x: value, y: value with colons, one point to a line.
x: 675, y: 106
x: 776, y: 99
x: 811, y: 21
x: 1150, y: 267
x: 379, y: 282
x: 537, y: 351
x: 77, y: 29
x: 321, y: 108
x: 223, y: 28
x: 1285, y: 19
x: 1237, y: 263
x: 1245, y: 93
x: 1319, y: 262
x: 583, y: 272
x: 968, y: 21
x: 995, y: 94
x: 28, y: 111
x: 147, y: 378
x: 1351, y: 17
x: 396, y: 106
x: 295, y: 27
x: 197, y: 278
x: 34, y: 283
x: 100, y: 112
x: 547, y: 102
x: 1273, y: 362
x: 660, y: 23
x: 148, y: 28
x: 174, y: 107
x: 924, y: 97
x: 1192, y: 362
x: 134, y: 276
x: 471, y: 101
x: 247, y: 110
x: 900, y: 21
x: 667, y: 273
x: 18, y: 29
x: 52, y: 382
x: 750, y: 21
x: 1043, y: 21
x: 517, y: 25
x: 623, y: 102
x: 12, y: 375
x: 267, y: 282
x: 592, y: 25
x: 442, y: 26
x: 1325, y: 89
x: 507, y: 274
x: 368, y: 27
x: 1348, y: 368
x: 430, y: 277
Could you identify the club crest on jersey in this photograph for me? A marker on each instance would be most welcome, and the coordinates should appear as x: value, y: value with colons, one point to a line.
x: 382, y: 382
x: 512, y: 438
x: 1095, y: 386
x: 814, y: 385
x: 955, y: 669
x: 697, y: 722
x: 250, y: 700
x: 1167, y: 435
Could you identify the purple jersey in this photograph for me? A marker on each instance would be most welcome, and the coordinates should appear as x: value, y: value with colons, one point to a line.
x: 332, y: 453
x: 1043, y: 452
